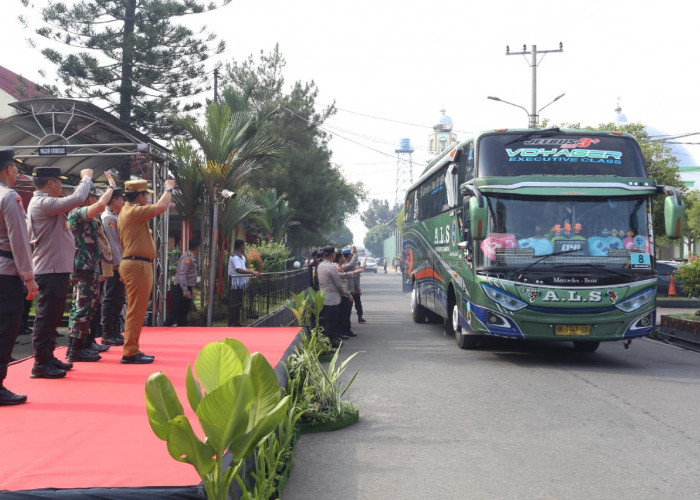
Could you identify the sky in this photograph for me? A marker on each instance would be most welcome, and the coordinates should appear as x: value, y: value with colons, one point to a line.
x: 390, y: 67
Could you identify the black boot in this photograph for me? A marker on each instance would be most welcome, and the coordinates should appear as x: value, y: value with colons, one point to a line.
x: 360, y: 319
x: 94, y: 346
x: 9, y: 398
x: 78, y: 351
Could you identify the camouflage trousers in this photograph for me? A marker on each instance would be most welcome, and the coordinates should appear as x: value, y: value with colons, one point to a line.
x: 86, y: 300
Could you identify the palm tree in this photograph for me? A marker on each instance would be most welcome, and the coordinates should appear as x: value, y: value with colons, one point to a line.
x: 232, y: 142
x: 276, y: 216
x: 190, y: 192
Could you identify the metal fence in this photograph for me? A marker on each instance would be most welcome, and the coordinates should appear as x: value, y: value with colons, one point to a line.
x: 265, y: 294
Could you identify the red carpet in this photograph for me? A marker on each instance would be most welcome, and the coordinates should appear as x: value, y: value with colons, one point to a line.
x: 91, y: 429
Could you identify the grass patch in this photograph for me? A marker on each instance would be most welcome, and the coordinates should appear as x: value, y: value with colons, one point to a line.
x: 685, y: 316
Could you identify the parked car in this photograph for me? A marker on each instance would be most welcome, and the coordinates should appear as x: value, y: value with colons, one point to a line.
x: 370, y: 265
x: 666, y: 268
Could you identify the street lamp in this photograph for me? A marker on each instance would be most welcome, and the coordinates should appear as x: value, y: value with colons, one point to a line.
x: 493, y: 98
x: 532, y: 119
x: 225, y: 194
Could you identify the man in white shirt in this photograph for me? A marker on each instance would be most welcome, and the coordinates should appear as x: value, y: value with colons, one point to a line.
x: 239, y: 275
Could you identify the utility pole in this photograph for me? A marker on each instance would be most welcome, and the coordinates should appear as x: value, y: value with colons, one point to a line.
x: 534, y: 118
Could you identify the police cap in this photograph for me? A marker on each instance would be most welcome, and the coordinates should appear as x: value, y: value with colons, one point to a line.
x: 328, y: 250
x: 48, y: 172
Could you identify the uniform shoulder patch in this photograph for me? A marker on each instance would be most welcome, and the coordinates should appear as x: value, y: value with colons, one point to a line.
x: 19, y: 202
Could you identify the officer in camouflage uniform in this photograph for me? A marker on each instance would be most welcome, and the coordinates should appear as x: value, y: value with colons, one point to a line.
x: 85, y: 226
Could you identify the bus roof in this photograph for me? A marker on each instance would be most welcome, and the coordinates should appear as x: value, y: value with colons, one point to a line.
x: 448, y: 155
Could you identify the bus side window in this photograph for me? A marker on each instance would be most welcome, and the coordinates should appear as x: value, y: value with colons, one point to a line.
x: 469, y: 161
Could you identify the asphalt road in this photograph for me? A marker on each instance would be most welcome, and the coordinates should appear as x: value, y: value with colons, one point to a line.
x: 509, y: 420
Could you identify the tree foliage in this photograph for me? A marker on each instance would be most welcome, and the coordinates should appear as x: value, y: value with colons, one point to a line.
x: 320, y: 197
x: 130, y: 56
x: 341, y: 237
x: 374, y: 239
x: 275, y: 217
x: 379, y: 212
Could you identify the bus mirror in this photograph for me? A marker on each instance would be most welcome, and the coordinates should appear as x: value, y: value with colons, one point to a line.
x: 674, y: 217
x: 478, y: 218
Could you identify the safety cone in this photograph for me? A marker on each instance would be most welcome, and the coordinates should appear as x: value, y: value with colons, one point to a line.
x: 671, y: 288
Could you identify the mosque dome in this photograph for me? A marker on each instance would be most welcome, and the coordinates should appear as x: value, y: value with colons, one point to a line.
x: 445, y: 124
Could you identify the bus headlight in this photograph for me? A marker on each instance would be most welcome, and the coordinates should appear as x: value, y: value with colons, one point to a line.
x: 503, y: 298
x: 637, y: 301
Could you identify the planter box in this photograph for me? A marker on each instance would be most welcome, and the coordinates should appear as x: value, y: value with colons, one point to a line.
x: 681, y: 324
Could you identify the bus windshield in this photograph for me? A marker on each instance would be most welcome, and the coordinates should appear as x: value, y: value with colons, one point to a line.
x: 550, y: 152
x: 538, y: 233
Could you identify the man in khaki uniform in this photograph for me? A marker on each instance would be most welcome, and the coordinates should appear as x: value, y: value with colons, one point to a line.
x: 136, y: 268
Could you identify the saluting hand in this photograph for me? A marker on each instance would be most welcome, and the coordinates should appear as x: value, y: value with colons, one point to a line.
x: 32, y: 289
x: 110, y: 180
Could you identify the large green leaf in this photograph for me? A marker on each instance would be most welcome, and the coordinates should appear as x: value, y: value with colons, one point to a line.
x: 245, y: 444
x: 216, y: 364
x: 241, y: 351
x: 194, y: 390
x: 223, y: 412
x: 162, y: 404
x: 185, y: 446
x: 266, y: 386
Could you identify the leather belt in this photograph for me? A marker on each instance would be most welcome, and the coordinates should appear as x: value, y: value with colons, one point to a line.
x: 132, y: 257
x: 5, y: 253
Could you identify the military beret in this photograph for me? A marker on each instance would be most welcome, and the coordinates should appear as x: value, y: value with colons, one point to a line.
x: 140, y: 186
x: 49, y: 172
x: 347, y: 251
x: 328, y: 250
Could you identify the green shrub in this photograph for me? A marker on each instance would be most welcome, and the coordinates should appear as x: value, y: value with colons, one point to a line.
x: 689, y: 274
x: 273, y: 255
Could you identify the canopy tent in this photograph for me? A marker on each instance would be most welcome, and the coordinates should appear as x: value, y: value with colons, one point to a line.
x: 74, y: 135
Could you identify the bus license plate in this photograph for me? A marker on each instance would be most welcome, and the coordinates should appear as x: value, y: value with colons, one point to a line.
x: 572, y: 330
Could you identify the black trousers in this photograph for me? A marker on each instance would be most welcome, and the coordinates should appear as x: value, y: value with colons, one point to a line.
x: 179, y: 307
x: 357, y: 298
x: 11, y: 308
x: 111, y: 307
x: 345, y: 312
x: 329, y: 319
x: 235, y: 305
x: 50, y: 305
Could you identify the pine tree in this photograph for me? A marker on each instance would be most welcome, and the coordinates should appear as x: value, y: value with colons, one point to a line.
x: 130, y: 57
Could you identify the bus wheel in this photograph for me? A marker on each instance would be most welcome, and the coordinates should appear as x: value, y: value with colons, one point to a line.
x: 586, y: 346
x: 449, y: 320
x: 418, y: 312
x: 463, y: 341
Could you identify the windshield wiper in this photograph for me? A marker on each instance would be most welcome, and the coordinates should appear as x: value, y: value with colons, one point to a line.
x: 553, y: 130
x: 520, y: 272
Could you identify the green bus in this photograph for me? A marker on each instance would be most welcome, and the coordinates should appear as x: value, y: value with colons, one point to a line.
x: 537, y: 235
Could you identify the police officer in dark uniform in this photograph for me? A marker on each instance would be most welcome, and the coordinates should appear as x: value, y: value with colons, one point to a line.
x: 16, y: 269
x: 182, y: 289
